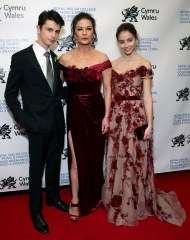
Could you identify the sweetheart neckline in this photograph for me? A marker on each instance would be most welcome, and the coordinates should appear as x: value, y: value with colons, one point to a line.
x: 131, y: 70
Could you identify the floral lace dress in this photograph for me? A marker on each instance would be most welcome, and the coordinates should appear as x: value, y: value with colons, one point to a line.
x: 129, y: 193
x: 85, y: 112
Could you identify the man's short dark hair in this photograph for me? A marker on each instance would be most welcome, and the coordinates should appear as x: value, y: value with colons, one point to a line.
x: 50, y: 15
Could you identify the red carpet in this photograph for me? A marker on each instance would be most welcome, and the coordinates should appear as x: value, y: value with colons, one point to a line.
x: 15, y: 222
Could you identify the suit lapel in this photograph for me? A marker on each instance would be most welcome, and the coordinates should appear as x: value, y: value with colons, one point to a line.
x: 32, y: 58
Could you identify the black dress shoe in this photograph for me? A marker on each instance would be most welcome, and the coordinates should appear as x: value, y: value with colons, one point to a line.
x: 61, y: 205
x: 40, y: 224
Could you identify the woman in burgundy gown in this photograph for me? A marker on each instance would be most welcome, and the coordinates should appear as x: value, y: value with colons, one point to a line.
x: 84, y: 69
x: 129, y: 192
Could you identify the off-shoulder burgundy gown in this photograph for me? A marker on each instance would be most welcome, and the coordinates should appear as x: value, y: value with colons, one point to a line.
x: 85, y: 112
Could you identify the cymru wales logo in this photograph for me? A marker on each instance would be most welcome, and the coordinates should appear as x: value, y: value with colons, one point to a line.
x: 65, y: 42
x: 185, y: 43
x: 8, y: 182
x: 183, y: 94
x: 2, y: 75
x: 5, y: 130
x: 180, y: 140
x: 130, y: 13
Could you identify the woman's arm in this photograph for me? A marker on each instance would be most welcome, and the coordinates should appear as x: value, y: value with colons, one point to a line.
x: 147, y: 85
x: 64, y: 89
x: 107, y: 98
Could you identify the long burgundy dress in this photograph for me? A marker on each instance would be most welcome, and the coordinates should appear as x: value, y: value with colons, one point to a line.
x: 85, y: 112
x: 129, y: 192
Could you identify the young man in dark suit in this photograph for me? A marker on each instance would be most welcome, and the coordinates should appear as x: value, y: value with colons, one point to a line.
x: 42, y: 113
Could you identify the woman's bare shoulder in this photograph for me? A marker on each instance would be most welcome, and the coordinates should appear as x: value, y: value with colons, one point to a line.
x: 102, y: 57
x: 116, y: 61
x: 65, y: 58
x: 145, y: 62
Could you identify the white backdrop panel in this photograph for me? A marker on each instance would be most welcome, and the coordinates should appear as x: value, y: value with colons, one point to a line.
x: 163, y: 28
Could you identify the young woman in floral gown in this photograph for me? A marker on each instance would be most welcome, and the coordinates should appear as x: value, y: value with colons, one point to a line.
x: 129, y: 193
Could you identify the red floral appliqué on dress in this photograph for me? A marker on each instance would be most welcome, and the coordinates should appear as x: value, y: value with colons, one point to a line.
x: 129, y: 193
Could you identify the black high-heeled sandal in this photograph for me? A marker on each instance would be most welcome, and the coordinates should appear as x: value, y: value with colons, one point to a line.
x: 74, y: 218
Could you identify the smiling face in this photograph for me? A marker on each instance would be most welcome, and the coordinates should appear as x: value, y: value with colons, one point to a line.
x: 127, y: 42
x: 48, y: 34
x: 84, y: 32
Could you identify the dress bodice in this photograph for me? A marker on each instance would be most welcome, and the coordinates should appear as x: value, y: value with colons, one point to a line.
x: 84, y: 80
x: 131, y: 82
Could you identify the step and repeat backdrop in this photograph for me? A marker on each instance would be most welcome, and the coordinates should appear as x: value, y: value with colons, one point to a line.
x: 163, y: 28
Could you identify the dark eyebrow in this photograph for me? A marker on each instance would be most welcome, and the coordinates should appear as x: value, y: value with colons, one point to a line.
x: 85, y: 27
x: 49, y: 28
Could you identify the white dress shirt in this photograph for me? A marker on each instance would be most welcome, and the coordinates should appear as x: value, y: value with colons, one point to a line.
x: 39, y: 52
